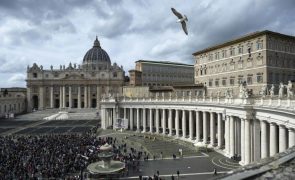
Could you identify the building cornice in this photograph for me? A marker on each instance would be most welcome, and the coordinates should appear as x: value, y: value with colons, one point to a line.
x: 243, y: 38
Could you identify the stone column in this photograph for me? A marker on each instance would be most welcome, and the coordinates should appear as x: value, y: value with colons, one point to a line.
x: 64, y: 96
x: 51, y: 97
x: 103, y: 118
x: 157, y: 121
x: 137, y: 120
x: 242, y: 141
x: 85, y: 97
x: 232, y: 137
x: 283, y: 138
x: 131, y: 119
x: 191, y: 125
x: 60, y: 97
x: 212, y: 129
x: 264, y: 141
x: 70, y: 96
x: 183, y: 124
x: 114, y: 117
x: 205, y: 130
x: 151, y: 120
x: 89, y: 97
x: 79, y: 97
x: 97, y: 97
x: 227, y: 141
x: 41, y: 98
x: 170, y: 122
x: 291, y: 137
x: 247, y: 142
x: 164, y: 121
x: 144, y: 119
x: 177, y: 122
x: 124, y: 113
x: 256, y: 140
x: 198, y: 127
x: 220, y: 130
x: 273, y: 148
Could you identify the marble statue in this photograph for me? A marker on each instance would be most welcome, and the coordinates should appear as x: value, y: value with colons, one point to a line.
x: 263, y: 90
x: 290, y: 89
x: 281, y: 90
x: 272, y: 90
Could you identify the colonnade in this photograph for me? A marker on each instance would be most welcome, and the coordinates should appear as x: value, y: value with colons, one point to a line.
x: 84, y: 99
x: 67, y: 96
x: 247, y: 139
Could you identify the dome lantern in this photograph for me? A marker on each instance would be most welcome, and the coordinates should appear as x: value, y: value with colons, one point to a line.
x: 96, y: 43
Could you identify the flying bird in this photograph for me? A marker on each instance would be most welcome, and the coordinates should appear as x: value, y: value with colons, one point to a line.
x: 181, y: 19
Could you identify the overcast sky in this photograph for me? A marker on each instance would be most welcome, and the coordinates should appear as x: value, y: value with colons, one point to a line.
x: 55, y: 32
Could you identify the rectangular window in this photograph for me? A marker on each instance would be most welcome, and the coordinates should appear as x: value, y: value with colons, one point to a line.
x: 232, y: 52
x: 210, y: 82
x: 223, y: 53
x: 241, y: 65
x: 259, y: 45
x: 240, y: 80
x: 241, y: 50
x: 217, y: 82
x: 232, y: 67
x: 223, y: 82
x: 232, y: 81
x: 259, y: 78
x: 249, y: 80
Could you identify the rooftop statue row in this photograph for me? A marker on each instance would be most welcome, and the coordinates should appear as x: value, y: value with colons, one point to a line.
x: 72, y: 67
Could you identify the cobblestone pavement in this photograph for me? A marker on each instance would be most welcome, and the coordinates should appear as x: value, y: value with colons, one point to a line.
x: 196, y: 163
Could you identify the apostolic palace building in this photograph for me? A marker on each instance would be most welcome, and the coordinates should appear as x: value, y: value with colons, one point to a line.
x: 257, y: 59
x: 75, y: 86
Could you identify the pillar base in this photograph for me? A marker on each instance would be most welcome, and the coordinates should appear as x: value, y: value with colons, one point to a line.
x: 198, y: 144
x: 242, y: 163
x: 211, y: 146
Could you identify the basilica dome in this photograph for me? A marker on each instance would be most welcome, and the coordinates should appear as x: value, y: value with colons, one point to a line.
x: 96, y: 55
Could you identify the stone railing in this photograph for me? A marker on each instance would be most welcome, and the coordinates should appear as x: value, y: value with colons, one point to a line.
x: 269, y: 102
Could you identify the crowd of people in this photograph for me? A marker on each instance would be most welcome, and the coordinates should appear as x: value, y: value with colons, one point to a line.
x: 46, y: 156
x: 63, y: 156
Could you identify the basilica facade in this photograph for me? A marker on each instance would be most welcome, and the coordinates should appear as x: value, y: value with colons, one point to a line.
x: 75, y: 86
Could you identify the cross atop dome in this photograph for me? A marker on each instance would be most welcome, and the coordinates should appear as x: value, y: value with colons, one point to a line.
x: 96, y: 43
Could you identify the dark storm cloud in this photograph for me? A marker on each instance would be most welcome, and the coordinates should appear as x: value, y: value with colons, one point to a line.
x: 115, y: 24
x: 38, y: 11
x: 218, y: 24
x: 129, y: 29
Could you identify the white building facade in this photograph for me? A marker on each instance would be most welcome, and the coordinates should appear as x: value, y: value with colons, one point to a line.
x: 75, y: 86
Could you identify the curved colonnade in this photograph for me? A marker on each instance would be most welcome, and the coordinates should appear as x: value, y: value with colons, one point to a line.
x: 249, y: 129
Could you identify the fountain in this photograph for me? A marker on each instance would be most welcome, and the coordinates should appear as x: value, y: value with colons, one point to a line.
x: 106, y: 166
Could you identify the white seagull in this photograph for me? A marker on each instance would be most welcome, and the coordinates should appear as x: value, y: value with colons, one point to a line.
x: 181, y: 19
